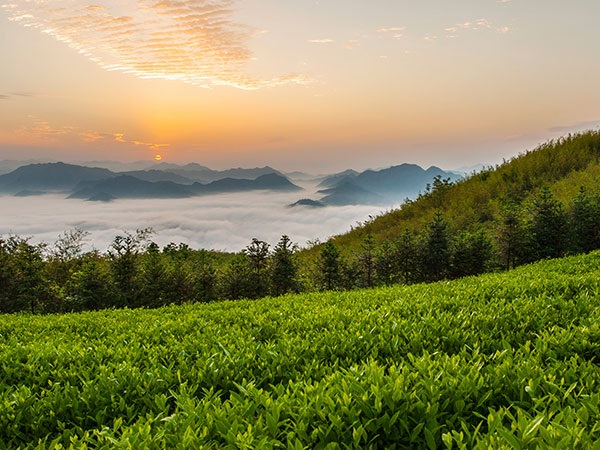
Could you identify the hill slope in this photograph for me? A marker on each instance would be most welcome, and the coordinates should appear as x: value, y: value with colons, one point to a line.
x: 563, y: 166
x: 503, y: 360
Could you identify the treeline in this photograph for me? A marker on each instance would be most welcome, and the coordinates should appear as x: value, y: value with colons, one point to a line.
x: 135, y: 272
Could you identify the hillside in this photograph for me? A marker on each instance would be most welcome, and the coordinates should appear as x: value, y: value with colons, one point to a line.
x: 502, y: 360
x: 563, y: 166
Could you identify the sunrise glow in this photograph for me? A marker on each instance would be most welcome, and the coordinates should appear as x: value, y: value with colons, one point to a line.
x: 295, y: 85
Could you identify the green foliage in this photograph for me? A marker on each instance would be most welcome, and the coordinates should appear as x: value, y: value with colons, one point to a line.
x: 329, y: 267
x: 284, y: 269
x: 504, y: 360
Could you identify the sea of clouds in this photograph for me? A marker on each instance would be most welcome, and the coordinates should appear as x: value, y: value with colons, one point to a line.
x: 226, y: 222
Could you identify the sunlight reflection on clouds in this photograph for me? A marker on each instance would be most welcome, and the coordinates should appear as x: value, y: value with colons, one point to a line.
x: 195, y: 41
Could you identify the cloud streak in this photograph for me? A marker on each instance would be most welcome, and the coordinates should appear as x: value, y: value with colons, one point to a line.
x: 477, y: 25
x: 195, y: 41
x: 41, y: 131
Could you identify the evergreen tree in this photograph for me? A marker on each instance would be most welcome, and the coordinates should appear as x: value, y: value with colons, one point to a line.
x: 366, y: 261
x: 235, y: 280
x: 258, y: 257
x: 584, y: 223
x: 283, y: 268
x: 510, y: 235
x: 435, y: 249
x: 123, y: 254
x: 386, y: 263
x: 329, y: 267
x: 471, y: 253
x: 547, y: 229
x: 407, y: 255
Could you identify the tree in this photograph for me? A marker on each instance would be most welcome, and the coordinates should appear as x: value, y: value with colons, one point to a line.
x: 366, y: 261
x: 435, y: 249
x: 386, y: 263
x: 471, y: 253
x: 510, y: 235
x: 21, y: 281
x: 91, y: 287
x: 258, y: 256
x: 547, y: 229
x: 407, y: 256
x: 123, y: 255
x: 284, y: 269
x: 329, y: 267
x: 235, y: 279
x: 584, y: 223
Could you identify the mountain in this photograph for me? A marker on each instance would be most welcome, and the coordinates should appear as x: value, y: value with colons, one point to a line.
x: 269, y: 181
x: 158, y: 175
x: 50, y: 177
x: 126, y: 186
x: 308, y: 202
x: 336, y: 178
x: 563, y: 166
x: 379, y: 187
x: 202, y: 174
x: 349, y: 193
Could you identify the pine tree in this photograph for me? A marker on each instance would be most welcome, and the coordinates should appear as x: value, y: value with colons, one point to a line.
x: 547, y: 229
x: 584, y: 223
x: 435, y: 257
x: 329, y: 267
x: 283, y: 268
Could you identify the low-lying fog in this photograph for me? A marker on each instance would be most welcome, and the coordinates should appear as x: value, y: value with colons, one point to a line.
x: 225, y: 222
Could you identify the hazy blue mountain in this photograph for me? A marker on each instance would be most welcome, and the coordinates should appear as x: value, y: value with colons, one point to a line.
x: 349, y: 193
x: 337, y: 178
x: 308, y: 202
x: 126, y: 186
x: 204, y: 175
x: 101, y: 197
x: 379, y: 187
x: 399, y: 182
x: 50, y: 177
x: 269, y: 181
x: 158, y: 175
x: 28, y: 193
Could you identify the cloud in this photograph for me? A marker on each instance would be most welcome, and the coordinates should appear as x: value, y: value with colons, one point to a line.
x: 579, y: 126
x: 396, y: 32
x: 195, y: 41
x: 4, y: 97
x: 41, y: 131
x: 223, y: 222
x: 477, y: 25
x: 321, y: 41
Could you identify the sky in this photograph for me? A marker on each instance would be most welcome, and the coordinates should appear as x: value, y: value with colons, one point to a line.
x: 313, y: 85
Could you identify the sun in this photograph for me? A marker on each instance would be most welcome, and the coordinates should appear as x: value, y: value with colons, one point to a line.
x: 157, y: 157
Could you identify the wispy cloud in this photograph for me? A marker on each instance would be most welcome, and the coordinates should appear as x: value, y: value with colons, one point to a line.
x: 579, y: 126
x: 43, y: 132
x: 396, y: 32
x: 195, y: 41
x: 321, y: 41
x: 4, y: 97
x: 476, y: 25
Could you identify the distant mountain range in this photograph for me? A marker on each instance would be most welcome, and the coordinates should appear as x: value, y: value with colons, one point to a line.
x: 99, y: 184
x: 378, y: 187
x: 371, y: 187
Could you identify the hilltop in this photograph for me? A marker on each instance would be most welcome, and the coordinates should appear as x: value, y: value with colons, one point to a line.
x: 563, y: 166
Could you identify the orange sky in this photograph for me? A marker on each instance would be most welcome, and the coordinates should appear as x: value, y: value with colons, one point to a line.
x: 312, y: 85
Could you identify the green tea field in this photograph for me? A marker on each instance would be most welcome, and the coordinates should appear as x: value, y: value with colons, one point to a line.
x: 504, y: 360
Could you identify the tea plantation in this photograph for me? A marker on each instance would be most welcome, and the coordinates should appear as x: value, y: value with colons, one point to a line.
x: 504, y: 360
